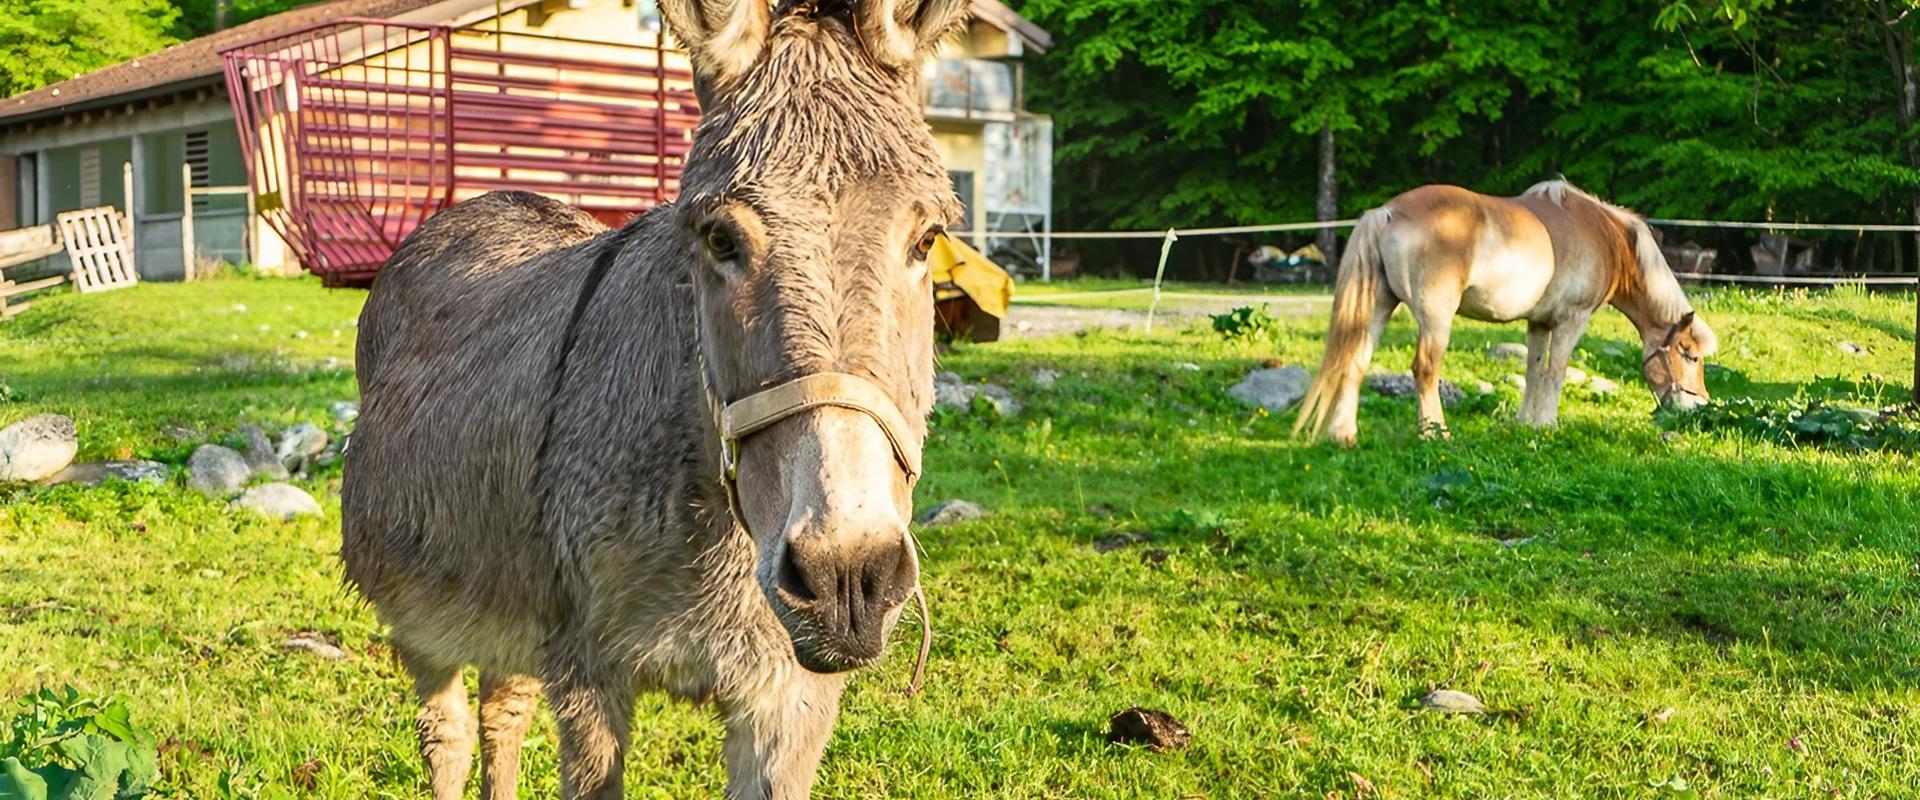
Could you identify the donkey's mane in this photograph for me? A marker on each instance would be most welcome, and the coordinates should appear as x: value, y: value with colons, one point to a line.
x: 1653, y: 279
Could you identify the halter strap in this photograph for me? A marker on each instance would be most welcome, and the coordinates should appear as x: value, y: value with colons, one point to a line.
x: 761, y: 410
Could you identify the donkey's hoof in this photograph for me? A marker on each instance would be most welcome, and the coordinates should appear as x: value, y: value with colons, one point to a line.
x: 1435, y: 430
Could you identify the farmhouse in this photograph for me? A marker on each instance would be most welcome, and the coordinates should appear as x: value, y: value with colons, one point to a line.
x: 336, y: 127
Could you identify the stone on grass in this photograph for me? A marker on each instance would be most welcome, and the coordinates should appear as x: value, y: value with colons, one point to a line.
x: 299, y: 444
x: 94, y: 473
x: 1452, y: 702
x: 1576, y: 376
x: 345, y: 410
x: 315, y: 644
x: 1400, y: 384
x: 1851, y: 349
x: 1273, y: 389
x: 949, y: 512
x: 1158, y: 730
x: 1045, y: 377
x: 952, y: 391
x: 279, y: 500
x: 37, y: 448
x: 260, y: 455
x: 1599, y: 385
x: 1482, y: 387
x: 1186, y: 366
x: 1507, y: 351
x: 999, y: 400
x: 1517, y: 382
x: 217, y: 471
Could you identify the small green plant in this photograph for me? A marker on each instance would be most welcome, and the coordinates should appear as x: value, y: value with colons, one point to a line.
x: 1808, y: 422
x: 64, y: 746
x: 1244, y: 324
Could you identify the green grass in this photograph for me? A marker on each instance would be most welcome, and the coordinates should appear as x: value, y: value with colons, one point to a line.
x: 1136, y: 295
x: 1580, y: 581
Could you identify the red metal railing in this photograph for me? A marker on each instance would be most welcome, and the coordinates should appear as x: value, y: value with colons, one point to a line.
x: 355, y: 131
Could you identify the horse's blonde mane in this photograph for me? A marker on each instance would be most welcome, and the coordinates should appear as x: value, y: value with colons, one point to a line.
x: 1656, y: 282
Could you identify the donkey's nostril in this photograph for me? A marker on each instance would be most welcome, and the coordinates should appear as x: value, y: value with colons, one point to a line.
x: 793, y: 581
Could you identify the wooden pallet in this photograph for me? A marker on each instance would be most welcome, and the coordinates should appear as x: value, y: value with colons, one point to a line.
x: 22, y: 246
x: 100, y: 247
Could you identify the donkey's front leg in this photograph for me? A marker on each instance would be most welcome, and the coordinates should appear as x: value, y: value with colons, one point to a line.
x: 1537, y: 406
x: 1566, y: 336
x: 593, y: 705
x: 776, y: 731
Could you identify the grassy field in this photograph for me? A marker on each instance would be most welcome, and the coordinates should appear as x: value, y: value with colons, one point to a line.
x: 1640, y: 612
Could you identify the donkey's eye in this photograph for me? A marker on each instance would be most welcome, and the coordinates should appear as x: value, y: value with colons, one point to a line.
x: 1689, y: 357
x: 719, y: 244
x: 924, y: 247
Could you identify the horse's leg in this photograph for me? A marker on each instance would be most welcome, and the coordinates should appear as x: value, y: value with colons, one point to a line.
x: 507, y: 703
x: 444, y: 723
x: 1435, y: 330
x: 776, y: 734
x: 1343, y: 423
x: 1533, y: 406
x: 593, y: 709
x: 1566, y: 336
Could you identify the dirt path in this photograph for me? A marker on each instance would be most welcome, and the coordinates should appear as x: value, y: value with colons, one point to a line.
x: 1040, y: 316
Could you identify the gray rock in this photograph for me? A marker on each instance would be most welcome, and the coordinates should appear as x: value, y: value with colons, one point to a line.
x: 1482, y: 387
x: 1400, y: 384
x: 1507, y: 351
x: 1273, y: 389
x: 1576, y: 376
x: 1851, y: 349
x: 299, y: 444
x: 94, y: 473
x: 1000, y: 400
x: 1186, y: 366
x: 1045, y: 377
x: 1452, y: 702
x: 260, y: 455
x: 1599, y: 385
x: 948, y: 512
x: 1517, y: 382
x: 217, y: 471
x: 315, y: 645
x: 281, y: 500
x: 37, y: 448
x: 345, y: 410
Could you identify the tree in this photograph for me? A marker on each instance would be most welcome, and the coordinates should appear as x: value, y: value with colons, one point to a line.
x: 43, y: 41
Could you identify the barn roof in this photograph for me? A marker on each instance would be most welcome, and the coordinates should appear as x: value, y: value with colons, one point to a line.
x: 196, y: 62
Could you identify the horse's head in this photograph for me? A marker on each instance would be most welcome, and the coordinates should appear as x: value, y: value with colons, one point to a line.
x: 1675, y: 363
x: 809, y: 203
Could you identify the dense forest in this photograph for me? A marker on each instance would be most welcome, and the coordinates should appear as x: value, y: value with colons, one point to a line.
x: 1223, y: 111
x: 1202, y: 112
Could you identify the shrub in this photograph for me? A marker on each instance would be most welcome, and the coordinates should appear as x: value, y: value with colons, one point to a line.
x: 1244, y: 324
x: 67, y: 747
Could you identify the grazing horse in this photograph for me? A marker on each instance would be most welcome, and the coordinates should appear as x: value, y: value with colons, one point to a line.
x: 1551, y: 256
x: 678, y: 456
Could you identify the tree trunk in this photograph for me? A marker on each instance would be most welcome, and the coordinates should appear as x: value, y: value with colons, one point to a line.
x: 1899, y: 41
x: 1327, y: 205
x: 220, y: 14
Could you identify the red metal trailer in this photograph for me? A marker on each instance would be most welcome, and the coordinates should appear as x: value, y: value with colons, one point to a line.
x: 357, y: 130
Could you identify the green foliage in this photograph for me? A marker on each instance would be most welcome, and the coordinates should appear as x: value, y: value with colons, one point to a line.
x: 43, y: 41
x: 1207, y: 111
x: 1816, y: 423
x: 67, y: 747
x: 1245, y: 323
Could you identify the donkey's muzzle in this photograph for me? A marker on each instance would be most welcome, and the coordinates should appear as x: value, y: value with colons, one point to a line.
x: 842, y: 601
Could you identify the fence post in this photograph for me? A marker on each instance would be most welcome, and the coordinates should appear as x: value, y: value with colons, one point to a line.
x: 186, y: 222
x: 1166, y: 246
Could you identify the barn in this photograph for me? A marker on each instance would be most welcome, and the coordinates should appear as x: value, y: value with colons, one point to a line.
x: 317, y: 137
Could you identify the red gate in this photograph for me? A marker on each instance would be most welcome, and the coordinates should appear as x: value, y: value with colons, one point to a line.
x: 354, y: 131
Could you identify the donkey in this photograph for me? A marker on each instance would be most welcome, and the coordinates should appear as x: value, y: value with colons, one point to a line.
x: 1551, y: 256
x: 678, y: 456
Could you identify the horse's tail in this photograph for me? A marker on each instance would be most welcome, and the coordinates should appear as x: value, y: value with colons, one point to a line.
x: 1356, y: 291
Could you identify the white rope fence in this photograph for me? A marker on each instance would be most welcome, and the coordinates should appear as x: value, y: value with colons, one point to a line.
x: 1171, y: 235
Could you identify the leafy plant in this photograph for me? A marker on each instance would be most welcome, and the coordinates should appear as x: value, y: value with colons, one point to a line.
x: 1814, y: 423
x: 64, y: 746
x: 1245, y: 324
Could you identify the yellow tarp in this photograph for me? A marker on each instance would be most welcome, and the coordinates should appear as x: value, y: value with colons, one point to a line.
x: 954, y: 261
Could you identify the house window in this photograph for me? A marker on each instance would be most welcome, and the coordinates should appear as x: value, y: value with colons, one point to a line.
x: 194, y: 153
x: 90, y: 177
x: 963, y: 186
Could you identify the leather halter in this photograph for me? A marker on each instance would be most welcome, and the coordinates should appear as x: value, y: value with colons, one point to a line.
x: 1665, y: 353
x: 763, y: 409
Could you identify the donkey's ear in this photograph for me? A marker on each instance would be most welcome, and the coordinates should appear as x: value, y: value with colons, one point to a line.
x: 723, y: 37
x: 899, y: 33
x: 1685, y: 322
